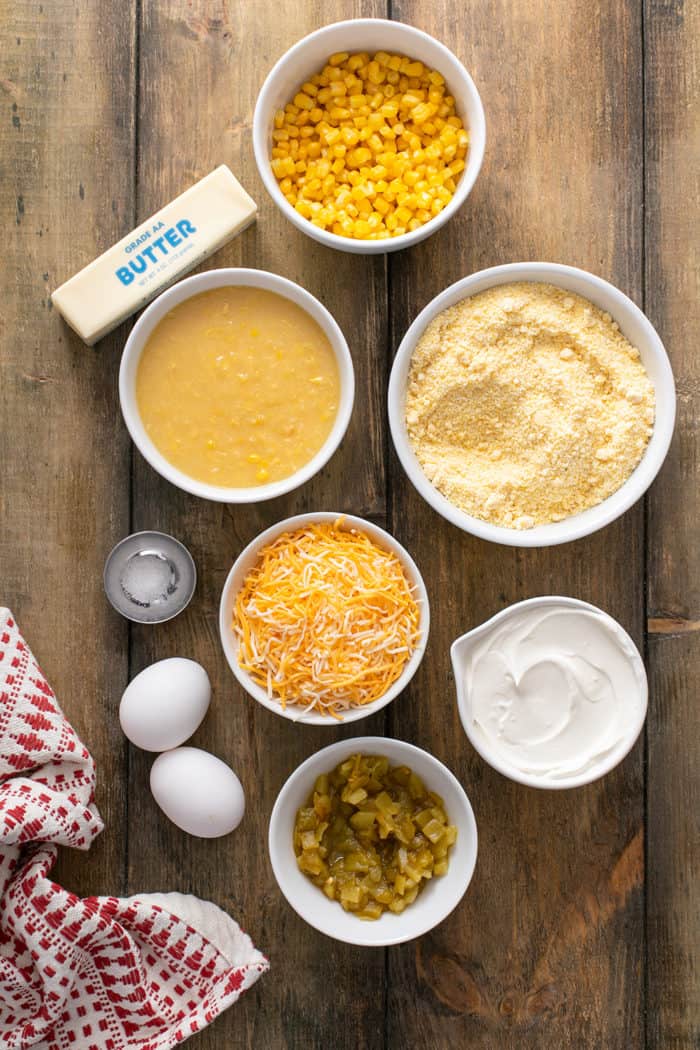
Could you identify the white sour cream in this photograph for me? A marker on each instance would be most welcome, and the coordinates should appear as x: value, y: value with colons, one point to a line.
x: 554, y: 689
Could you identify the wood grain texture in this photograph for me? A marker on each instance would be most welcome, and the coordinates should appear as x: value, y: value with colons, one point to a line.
x: 672, y: 286
x: 547, y: 947
x: 66, y: 90
x: 205, y: 63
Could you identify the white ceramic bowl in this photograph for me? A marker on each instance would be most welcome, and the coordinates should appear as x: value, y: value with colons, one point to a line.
x: 366, y: 34
x: 202, y: 282
x: 459, y: 653
x: 637, y: 329
x: 245, y: 562
x: 435, y: 901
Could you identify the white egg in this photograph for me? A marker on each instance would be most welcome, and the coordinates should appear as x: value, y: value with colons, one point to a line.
x: 164, y: 704
x: 198, y: 792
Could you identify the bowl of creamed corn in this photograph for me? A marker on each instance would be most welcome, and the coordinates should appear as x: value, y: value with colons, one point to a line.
x: 368, y: 135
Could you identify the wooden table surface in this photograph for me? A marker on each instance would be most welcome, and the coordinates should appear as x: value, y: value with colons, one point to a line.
x: 581, y: 928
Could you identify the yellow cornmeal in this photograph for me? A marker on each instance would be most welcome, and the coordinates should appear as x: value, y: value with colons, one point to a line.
x: 526, y: 405
x: 238, y: 387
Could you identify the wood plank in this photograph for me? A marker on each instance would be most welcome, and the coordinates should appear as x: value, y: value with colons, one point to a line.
x: 547, y: 947
x: 202, y: 65
x: 66, y: 138
x: 672, y: 286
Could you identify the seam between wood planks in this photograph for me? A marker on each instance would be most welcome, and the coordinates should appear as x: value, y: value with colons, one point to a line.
x: 135, y: 99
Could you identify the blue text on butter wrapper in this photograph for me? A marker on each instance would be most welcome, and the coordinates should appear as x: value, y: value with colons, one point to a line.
x: 149, y: 256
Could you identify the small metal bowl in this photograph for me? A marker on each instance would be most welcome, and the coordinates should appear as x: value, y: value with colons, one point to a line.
x: 149, y: 577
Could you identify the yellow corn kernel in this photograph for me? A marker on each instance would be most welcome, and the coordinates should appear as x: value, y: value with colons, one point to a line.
x: 382, y: 206
x: 361, y: 228
x: 338, y: 58
x: 348, y: 135
x: 403, y: 214
x: 360, y: 155
x: 356, y: 62
x: 376, y: 74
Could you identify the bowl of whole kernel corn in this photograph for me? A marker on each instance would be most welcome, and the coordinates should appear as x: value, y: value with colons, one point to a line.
x: 368, y: 135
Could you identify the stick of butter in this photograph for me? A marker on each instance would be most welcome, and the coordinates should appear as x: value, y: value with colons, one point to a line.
x: 156, y: 253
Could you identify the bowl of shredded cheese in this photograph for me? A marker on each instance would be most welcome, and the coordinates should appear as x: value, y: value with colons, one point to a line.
x: 531, y: 404
x: 369, y: 135
x: 324, y: 618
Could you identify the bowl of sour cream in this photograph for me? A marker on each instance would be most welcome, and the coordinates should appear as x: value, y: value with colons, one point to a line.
x: 552, y: 692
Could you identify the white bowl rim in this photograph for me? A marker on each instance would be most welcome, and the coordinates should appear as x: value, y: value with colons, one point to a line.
x: 578, y: 525
x: 374, y: 745
x: 512, y: 772
x: 382, y: 537
x: 475, y: 156
x: 238, y: 276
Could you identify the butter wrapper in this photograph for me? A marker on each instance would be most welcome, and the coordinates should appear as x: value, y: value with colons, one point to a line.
x: 161, y: 249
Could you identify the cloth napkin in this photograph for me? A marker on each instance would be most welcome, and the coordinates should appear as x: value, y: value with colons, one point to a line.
x: 141, y: 973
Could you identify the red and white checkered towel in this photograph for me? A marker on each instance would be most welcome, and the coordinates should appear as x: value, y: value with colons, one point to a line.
x: 99, y: 973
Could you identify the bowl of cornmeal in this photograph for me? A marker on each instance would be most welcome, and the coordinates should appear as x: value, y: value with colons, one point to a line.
x: 531, y: 404
x: 236, y: 385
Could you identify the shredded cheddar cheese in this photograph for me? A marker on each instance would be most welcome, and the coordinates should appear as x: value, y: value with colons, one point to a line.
x: 326, y: 619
